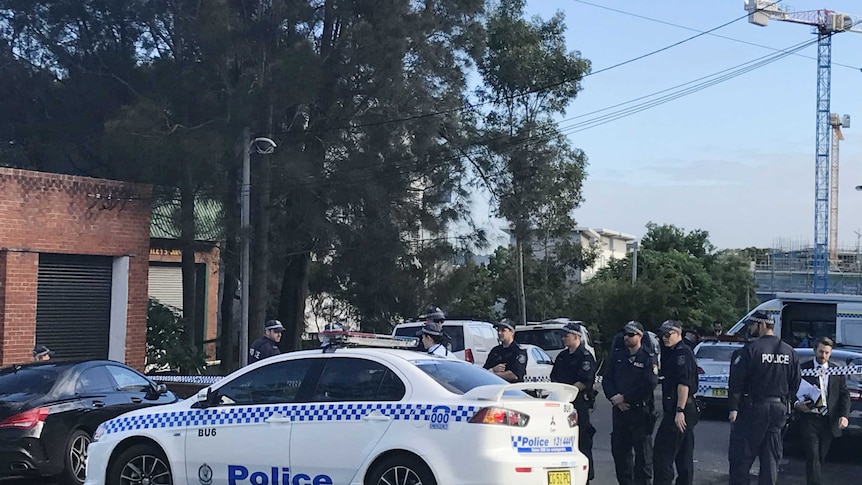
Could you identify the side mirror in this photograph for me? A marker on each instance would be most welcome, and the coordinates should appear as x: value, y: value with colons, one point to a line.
x: 161, y: 389
x: 206, y: 397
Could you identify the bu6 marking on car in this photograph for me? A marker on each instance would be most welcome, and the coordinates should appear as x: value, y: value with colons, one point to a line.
x: 207, y: 432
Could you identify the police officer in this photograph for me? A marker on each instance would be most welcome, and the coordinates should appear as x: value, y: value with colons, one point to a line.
x: 41, y: 353
x: 628, y: 383
x: 267, y: 345
x: 434, y: 340
x: 507, y: 360
x: 576, y: 366
x: 674, y: 440
x: 433, y: 314
x: 764, y: 377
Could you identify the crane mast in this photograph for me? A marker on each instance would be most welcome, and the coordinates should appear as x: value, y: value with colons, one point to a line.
x: 824, y: 23
x: 836, y: 123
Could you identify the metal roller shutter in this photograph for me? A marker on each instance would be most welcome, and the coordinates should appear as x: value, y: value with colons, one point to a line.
x: 73, y: 306
x: 166, y: 285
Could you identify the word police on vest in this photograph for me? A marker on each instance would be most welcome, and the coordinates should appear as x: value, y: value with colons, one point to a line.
x: 238, y: 474
x: 775, y: 359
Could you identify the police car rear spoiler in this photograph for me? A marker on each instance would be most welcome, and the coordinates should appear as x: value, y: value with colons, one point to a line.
x: 494, y: 392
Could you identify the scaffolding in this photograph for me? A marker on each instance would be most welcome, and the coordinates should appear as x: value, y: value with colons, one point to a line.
x: 789, y: 267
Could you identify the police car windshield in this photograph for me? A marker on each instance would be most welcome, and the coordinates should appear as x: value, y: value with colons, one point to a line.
x: 457, y: 377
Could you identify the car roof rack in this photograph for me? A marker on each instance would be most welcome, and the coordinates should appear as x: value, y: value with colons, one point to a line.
x: 343, y: 338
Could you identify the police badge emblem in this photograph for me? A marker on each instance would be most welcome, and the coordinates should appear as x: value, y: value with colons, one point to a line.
x: 522, y: 358
x: 205, y: 474
x: 586, y: 365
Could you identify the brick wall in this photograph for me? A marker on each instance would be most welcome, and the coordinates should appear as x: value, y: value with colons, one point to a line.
x: 50, y: 213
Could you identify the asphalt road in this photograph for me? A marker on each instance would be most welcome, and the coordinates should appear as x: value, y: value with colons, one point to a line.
x: 710, y: 453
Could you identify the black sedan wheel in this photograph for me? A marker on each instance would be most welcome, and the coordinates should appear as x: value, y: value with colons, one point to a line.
x: 141, y: 465
x: 76, y: 458
x: 401, y: 470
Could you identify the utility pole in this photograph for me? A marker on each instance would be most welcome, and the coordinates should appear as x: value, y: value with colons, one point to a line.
x: 245, y: 192
x: 263, y: 146
x: 634, y: 262
x: 522, y: 296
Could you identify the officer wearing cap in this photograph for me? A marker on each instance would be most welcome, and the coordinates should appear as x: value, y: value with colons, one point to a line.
x: 267, y: 345
x: 764, y: 377
x: 433, y: 314
x: 674, y: 440
x: 434, y: 340
x: 628, y: 383
x: 507, y: 360
x: 576, y: 366
x: 40, y: 353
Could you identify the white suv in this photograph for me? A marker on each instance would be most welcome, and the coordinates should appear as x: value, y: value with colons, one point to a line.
x: 471, y: 339
x: 548, y: 335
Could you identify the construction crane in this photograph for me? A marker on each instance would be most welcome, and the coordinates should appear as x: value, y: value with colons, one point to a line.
x: 824, y: 23
x: 836, y: 123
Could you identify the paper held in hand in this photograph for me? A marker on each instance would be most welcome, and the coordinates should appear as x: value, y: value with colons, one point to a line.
x: 807, y: 392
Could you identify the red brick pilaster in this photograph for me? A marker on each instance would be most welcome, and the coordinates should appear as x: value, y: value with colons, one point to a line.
x: 19, y: 273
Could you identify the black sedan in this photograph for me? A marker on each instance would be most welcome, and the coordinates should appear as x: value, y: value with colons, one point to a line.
x: 49, y: 410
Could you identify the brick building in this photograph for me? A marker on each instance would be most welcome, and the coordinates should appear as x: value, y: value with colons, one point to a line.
x: 74, y: 257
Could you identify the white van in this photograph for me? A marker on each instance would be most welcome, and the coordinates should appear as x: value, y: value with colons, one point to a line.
x: 472, y: 340
x: 802, y: 318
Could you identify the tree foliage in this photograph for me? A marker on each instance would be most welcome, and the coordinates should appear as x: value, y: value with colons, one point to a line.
x: 680, y: 276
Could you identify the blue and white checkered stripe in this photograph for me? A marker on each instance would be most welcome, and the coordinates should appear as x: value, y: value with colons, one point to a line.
x: 537, y: 379
x: 848, y: 370
x: 296, y: 412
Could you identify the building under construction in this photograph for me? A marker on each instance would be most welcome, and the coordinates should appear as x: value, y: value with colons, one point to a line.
x: 789, y: 266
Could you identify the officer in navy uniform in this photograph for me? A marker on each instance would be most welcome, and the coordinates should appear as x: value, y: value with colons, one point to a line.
x: 267, y: 345
x: 507, y: 360
x: 764, y: 377
x: 576, y: 366
x: 628, y: 383
x: 674, y: 440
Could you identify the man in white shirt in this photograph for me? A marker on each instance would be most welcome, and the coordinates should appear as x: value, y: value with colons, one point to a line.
x: 825, y: 418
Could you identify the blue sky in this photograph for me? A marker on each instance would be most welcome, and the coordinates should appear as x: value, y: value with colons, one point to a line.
x: 736, y: 159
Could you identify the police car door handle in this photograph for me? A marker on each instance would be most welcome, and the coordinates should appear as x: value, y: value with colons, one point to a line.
x: 278, y: 418
x: 98, y: 404
x: 376, y: 416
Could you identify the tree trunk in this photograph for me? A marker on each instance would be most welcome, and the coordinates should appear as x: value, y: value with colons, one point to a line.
x: 229, y: 338
x: 291, y: 307
x: 187, y: 246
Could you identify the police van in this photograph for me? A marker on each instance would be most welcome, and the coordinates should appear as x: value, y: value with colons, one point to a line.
x: 802, y: 318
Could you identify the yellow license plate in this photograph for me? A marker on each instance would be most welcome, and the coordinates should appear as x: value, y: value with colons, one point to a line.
x: 719, y: 392
x: 560, y: 477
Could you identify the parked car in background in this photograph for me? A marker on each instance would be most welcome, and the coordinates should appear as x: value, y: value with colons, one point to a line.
x: 49, y: 411
x: 539, y: 364
x: 548, y: 335
x: 471, y: 340
x: 713, y: 370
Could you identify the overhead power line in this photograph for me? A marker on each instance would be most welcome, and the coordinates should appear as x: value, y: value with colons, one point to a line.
x: 473, y: 107
x: 712, y: 34
x: 367, y: 172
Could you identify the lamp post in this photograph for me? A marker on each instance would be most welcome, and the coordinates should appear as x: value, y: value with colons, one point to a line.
x: 263, y: 146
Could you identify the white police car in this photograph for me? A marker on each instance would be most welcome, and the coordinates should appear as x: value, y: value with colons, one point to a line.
x: 713, y: 368
x: 364, y: 416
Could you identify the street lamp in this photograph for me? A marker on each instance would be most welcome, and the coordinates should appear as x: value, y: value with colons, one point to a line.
x: 263, y: 146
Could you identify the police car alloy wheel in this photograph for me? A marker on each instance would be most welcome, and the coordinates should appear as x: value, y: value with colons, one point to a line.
x: 140, y: 465
x: 76, y: 457
x: 401, y: 470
